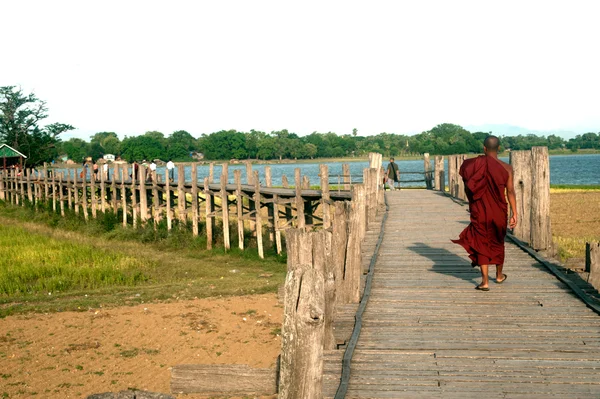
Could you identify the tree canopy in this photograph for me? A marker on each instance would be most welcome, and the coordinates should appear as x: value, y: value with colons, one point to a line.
x: 20, y: 118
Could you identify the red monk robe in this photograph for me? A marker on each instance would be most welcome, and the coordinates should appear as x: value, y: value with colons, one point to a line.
x: 485, y: 182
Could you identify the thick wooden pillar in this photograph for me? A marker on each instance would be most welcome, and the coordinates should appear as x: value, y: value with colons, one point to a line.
x: 521, y: 164
x: 541, y: 234
x: 440, y: 184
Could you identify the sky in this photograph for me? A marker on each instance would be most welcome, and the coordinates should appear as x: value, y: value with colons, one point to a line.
x: 402, y: 67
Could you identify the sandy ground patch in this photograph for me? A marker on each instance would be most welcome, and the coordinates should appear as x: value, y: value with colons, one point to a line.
x: 74, y: 354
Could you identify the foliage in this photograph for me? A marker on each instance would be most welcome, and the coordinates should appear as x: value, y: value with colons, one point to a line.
x: 20, y: 115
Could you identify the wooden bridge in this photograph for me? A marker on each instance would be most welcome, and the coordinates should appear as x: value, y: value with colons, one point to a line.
x: 427, y: 333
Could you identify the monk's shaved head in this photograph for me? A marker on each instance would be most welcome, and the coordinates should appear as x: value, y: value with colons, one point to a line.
x: 492, y: 143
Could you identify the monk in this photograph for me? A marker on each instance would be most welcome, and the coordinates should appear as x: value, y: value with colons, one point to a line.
x: 488, y: 181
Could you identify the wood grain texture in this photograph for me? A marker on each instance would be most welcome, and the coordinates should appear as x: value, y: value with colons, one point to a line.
x: 223, y: 379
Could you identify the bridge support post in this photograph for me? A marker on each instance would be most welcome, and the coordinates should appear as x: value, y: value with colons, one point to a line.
x: 301, y: 371
x: 427, y: 168
x: 439, y: 183
x: 521, y: 164
x: 592, y: 263
x: 541, y: 236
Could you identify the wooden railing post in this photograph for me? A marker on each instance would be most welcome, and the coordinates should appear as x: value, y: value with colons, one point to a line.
x: 300, y: 221
x: 258, y: 216
x: 195, y: 199
x: 541, y: 235
x: 346, y: 175
x: 301, y: 372
x: 325, y: 198
x: 439, y: 174
x: 592, y: 263
x: 427, y: 168
x: 237, y: 176
x: 181, y: 200
x: 521, y: 164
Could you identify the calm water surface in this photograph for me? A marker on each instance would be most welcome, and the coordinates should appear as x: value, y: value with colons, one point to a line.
x: 564, y: 169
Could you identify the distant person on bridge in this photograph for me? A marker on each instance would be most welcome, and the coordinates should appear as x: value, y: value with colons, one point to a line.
x: 392, y: 174
x: 486, y: 180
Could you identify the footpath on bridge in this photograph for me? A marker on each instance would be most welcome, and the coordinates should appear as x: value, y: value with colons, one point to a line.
x: 427, y: 333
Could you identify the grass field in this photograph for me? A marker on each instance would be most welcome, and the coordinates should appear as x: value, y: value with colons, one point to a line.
x: 575, y: 218
x: 69, y: 267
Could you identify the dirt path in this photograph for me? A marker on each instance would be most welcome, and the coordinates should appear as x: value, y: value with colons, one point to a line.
x: 74, y: 354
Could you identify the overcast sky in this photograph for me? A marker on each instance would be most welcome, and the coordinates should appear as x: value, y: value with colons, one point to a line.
x: 395, y: 66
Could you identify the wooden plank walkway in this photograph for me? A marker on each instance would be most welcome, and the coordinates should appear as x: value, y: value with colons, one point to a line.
x: 427, y: 333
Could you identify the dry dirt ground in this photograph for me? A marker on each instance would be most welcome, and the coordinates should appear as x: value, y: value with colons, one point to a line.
x: 74, y: 354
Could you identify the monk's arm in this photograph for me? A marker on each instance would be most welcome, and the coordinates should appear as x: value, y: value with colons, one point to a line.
x: 512, y: 198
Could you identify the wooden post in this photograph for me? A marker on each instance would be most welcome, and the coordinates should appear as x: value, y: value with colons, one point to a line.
x: 113, y: 189
x: 225, y: 210
x: 251, y: 202
x: 211, y: 172
x: 462, y: 194
x: 46, y: 188
x: 21, y: 185
x: 53, y: 189
x: 541, y: 235
x: 195, y: 210
x: 156, y: 198
x: 61, y: 200
x: 249, y: 174
x: 356, y: 232
x: 75, y: 190
x: 258, y: 217
x: 439, y: 174
x: 209, y: 214
x: 181, y: 193
x: 339, y: 246
x: 93, y: 199
x: 124, y: 173
x: 346, y: 175
x: 371, y: 187
x: 143, y: 195
x: 325, y: 198
x: 592, y: 263
x: 284, y: 181
x: 134, y: 204
x: 521, y: 164
x: 322, y: 261
x: 301, y: 372
x: 84, y: 201
x: 427, y: 168
x: 300, y: 220
x: 305, y: 183
x: 102, y: 190
x: 271, y: 206
x: 28, y: 180
x: 168, y: 199
x: 452, y: 175
x: 237, y: 175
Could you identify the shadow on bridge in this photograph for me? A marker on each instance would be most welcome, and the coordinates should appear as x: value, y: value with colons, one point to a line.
x: 447, y: 263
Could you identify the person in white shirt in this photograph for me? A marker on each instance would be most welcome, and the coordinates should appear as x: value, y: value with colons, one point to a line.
x: 152, y: 170
x: 171, y: 169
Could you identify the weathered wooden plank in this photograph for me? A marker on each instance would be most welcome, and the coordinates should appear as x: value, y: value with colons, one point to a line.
x: 223, y: 379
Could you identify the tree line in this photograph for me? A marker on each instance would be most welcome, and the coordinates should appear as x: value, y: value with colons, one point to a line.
x: 21, y: 114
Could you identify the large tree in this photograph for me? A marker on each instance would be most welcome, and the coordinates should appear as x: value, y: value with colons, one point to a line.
x: 20, y: 116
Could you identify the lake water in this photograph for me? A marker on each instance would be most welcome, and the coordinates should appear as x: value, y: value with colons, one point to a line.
x: 564, y: 169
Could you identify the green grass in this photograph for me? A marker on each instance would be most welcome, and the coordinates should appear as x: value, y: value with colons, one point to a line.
x: 35, y: 263
x: 574, y: 187
x: 99, y: 263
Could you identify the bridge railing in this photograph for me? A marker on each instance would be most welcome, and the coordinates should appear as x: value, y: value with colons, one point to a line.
x: 139, y: 197
x: 324, y: 273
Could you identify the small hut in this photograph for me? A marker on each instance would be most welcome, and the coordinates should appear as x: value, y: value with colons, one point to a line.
x: 10, y: 157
